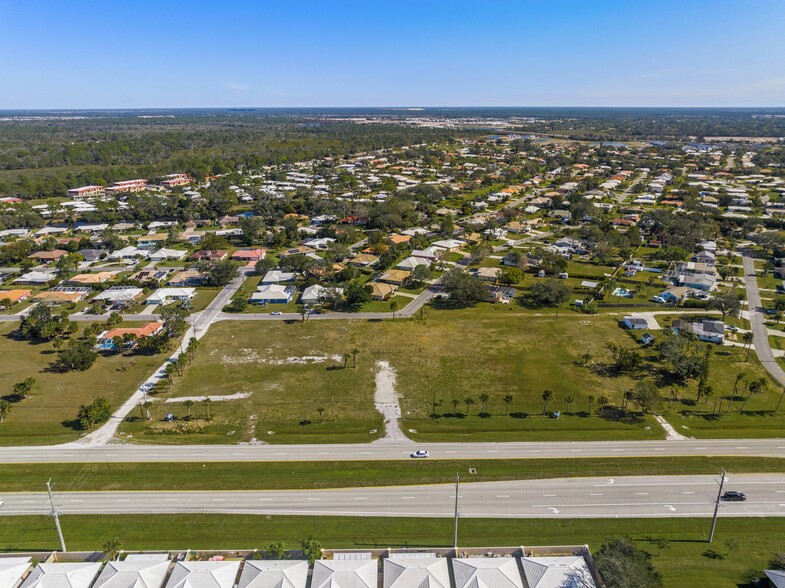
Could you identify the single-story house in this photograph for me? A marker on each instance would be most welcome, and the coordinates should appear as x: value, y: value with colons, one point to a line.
x: 317, y: 293
x: 60, y: 574
x: 90, y: 279
x: 635, y: 323
x: 154, y: 275
x: 14, y: 296
x: 353, y: 573
x: 273, y: 294
x: 274, y: 574
x: 135, y: 571
x: 487, y: 274
x: 169, y: 295
x: 129, y: 252
x: 151, y: 241
x: 410, y: 263
x: 430, y: 254
x: 393, y: 240
x: 647, y: 339
x: 61, y: 296
x: 419, y: 569
x: 395, y: 276
x: 47, y: 256
x: 121, y: 295
x: 164, y: 254
x: 13, y: 570
x: 107, y: 339
x: 363, y: 260
x: 93, y: 254
x: 249, y: 255
x: 299, y: 250
x: 710, y: 331
x: 186, y: 278
x: 503, y: 294
x: 382, y: 291
x: 35, y: 277
x: 203, y: 574
x: 449, y: 244
x: 499, y: 572
x: 278, y: 276
x: 549, y: 572
x: 211, y: 254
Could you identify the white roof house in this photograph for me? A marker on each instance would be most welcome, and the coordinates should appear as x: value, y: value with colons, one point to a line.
x: 119, y: 294
x: 449, y: 244
x: 11, y: 571
x: 129, y: 253
x: 167, y: 295
x: 344, y: 573
x: 145, y: 573
x: 273, y: 294
x: 35, y: 277
x: 557, y: 572
x: 318, y: 293
x: 164, y: 254
x: 62, y: 575
x: 274, y: 574
x: 426, y: 571
x: 203, y: 574
x: 412, y: 262
x: 484, y: 572
x: 276, y: 276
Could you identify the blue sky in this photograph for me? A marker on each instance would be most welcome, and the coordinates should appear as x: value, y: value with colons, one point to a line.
x: 144, y: 53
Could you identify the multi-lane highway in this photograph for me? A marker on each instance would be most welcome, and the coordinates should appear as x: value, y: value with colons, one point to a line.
x: 652, y: 496
x: 75, y: 453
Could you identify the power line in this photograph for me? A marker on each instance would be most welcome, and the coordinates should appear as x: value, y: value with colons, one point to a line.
x: 716, y: 506
x: 56, y: 515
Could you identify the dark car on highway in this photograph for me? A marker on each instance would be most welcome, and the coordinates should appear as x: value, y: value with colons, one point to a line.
x: 733, y: 496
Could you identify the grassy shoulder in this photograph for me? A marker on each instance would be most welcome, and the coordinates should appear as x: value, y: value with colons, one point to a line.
x: 316, y: 475
x: 684, y: 561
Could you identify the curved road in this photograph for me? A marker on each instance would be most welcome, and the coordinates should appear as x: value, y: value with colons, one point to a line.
x: 661, y: 496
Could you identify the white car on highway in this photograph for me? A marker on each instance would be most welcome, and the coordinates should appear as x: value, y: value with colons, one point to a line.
x: 420, y: 453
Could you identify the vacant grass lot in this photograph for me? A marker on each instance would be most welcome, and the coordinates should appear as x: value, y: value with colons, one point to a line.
x: 47, y: 416
x: 683, y: 561
x: 71, y: 477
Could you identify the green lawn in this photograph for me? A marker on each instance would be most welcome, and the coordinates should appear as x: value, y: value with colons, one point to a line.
x: 47, y: 416
x: 683, y: 562
x: 71, y: 477
x: 384, y: 305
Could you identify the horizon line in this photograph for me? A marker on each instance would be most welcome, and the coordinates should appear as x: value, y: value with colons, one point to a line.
x: 393, y: 107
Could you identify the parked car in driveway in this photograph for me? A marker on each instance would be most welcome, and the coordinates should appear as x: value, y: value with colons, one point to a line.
x: 734, y: 496
x: 420, y: 453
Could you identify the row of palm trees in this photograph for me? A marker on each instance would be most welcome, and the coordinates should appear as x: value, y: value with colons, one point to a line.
x: 547, y: 397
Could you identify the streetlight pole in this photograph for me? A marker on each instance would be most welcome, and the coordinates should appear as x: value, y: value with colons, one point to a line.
x: 455, y: 525
x: 56, y: 515
x: 716, y: 506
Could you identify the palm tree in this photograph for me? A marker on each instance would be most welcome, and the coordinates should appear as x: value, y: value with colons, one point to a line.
x: 483, y: 399
x: 188, y: 404
x: 5, y: 409
x: 346, y: 357
x: 141, y: 408
x: 394, y: 307
x: 602, y: 401
x: 569, y: 400
x: 756, y: 386
x: 546, y: 397
x: 112, y: 549
x: 629, y: 395
x: 587, y: 357
x: 468, y: 401
x: 507, y: 399
x: 455, y: 403
x: 169, y: 374
x: 776, y: 408
x: 355, y: 351
x: 179, y: 364
x: 147, y: 406
x: 206, y: 402
x: 320, y: 410
x: 747, y: 338
x: 303, y: 313
x: 590, y: 398
x: 707, y: 392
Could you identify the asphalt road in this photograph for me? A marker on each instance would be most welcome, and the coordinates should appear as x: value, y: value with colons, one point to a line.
x: 119, y: 453
x: 760, y: 335
x: 660, y: 496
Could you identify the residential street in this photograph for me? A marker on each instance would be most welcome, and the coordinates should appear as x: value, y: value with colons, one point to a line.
x: 642, y: 496
x: 757, y: 320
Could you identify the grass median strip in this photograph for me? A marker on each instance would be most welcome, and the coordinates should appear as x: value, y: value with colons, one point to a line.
x: 683, y: 558
x: 343, y: 474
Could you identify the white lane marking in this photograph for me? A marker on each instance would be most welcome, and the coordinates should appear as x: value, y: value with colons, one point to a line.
x: 641, y: 494
x: 688, y: 492
x: 28, y: 501
x: 548, y: 495
x: 553, y: 510
x: 492, y: 451
x: 595, y: 494
x: 535, y: 451
x: 153, y: 454
x: 502, y: 496
x: 450, y: 452
x: 360, y: 498
x: 219, y: 499
x: 407, y: 497
x: 745, y: 447
x: 123, y: 500
x: 669, y: 507
x: 313, y: 499
x: 265, y: 499
x: 76, y: 500
x: 171, y: 499
x: 281, y: 453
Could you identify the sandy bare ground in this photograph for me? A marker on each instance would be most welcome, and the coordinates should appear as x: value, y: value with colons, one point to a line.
x: 226, y: 397
x: 386, y: 401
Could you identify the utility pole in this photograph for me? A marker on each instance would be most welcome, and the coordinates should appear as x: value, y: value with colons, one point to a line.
x: 455, y: 526
x: 56, y: 515
x: 716, y: 506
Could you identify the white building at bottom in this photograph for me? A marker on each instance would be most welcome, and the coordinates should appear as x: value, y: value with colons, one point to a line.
x: 62, y: 575
x: 418, y: 570
x: 12, y: 570
x: 484, y: 572
x: 134, y: 572
x: 274, y: 574
x: 557, y: 572
x: 345, y: 573
x: 203, y: 574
